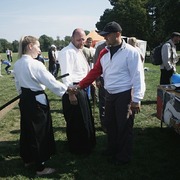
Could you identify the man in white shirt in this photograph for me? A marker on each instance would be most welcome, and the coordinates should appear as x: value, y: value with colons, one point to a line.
x: 8, y: 54
x: 76, y: 108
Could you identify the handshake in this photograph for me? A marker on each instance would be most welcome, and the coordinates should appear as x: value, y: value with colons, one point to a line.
x: 73, y: 89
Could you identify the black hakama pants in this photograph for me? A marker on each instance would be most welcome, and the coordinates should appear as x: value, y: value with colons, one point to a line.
x: 80, y: 128
x: 37, y: 142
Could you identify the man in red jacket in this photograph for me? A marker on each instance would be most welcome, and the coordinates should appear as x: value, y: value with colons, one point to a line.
x: 123, y: 75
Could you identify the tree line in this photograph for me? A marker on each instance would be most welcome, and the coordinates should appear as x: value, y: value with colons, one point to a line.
x: 150, y: 20
x: 45, y: 43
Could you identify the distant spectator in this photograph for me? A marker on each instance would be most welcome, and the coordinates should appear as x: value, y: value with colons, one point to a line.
x: 11, y: 56
x: 133, y: 41
x: 101, y: 90
x: 8, y: 52
x: 89, y: 54
x: 40, y: 58
x: 57, y: 63
x: 169, y: 58
x: 8, y: 65
x: 52, y: 59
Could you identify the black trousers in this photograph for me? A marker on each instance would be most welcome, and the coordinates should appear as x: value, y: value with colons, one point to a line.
x: 165, y: 77
x: 7, y: 68
x: 101, y: 94
x: 120, y: 120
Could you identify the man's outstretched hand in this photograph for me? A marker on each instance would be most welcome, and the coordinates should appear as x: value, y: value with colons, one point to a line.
x: 73, y: 89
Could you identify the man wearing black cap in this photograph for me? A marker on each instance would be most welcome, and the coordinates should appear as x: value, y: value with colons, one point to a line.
x: 122, y: 70
x: 169, y: 58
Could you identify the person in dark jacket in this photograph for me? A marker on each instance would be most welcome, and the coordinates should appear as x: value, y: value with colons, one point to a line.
x: 52, y: 59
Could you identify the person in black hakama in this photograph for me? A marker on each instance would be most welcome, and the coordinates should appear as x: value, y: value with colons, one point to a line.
x: 37, y: 143
x: 80, y: 129
x: 80, y: 124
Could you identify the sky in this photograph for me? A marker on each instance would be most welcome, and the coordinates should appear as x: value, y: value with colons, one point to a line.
x: 50, y: 17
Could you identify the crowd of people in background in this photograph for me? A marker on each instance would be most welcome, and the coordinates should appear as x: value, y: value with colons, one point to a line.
x: 111, y: 75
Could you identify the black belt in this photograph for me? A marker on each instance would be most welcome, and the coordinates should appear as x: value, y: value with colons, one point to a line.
x: 27, y: 90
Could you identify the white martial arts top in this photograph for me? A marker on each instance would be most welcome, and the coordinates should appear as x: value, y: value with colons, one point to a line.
x: 31, y: 73
x: 73, y: 61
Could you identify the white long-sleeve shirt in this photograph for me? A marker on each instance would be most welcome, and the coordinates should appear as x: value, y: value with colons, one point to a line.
x: 169, y: 56
x: 32, y: 74
x: 72, y: 61
x: 121, y: 72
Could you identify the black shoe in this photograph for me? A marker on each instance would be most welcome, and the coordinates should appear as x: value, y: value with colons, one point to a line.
x: 106, y: 153
x: 61, y: 111
x: 104, y: 129
x: 117, y: 162
x: 30, y: 164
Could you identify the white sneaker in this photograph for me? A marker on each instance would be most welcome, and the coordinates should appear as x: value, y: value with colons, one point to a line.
x: 45, y: 171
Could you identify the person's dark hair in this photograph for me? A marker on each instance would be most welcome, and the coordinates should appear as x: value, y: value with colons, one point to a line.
x: 89, y: 39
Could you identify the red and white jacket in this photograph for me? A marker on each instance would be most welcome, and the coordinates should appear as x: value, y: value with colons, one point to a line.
x: 122, y: 72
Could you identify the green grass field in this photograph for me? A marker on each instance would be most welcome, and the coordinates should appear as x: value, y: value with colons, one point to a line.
x: 156, y: 149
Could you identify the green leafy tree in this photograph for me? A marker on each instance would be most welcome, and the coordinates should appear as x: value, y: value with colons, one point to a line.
x: 165, y: 18
x: 151, y: 20
x: 45, y: 42
x: 130, y: 14
x: 86, y: 32
x: 57, y: 42
x: 4, y: 44
x: 15, y: 45
x: 67, y: 40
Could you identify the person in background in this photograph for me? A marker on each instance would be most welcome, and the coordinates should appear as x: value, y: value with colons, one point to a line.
x: 40, y: 58
x: 133, y: 41
x: 11, y: 54
x: 122, y: 71
x: 8, y: 65
x: 77, y: 111
x: 89, y: 52
x: 52, y: 59
x: 169, y: 58
x: 37, y: 142
x: 57, y: 62
x: 0, y: 67
x: 101, y: 90
x: 8, y: 54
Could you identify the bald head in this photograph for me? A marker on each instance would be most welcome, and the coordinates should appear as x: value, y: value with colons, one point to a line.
x: 78, y: 38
